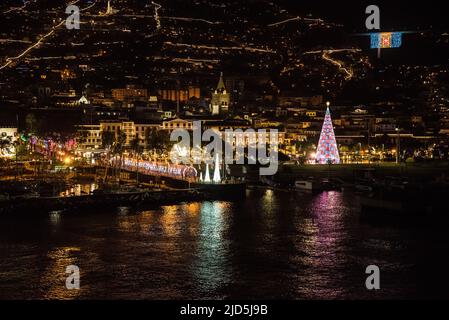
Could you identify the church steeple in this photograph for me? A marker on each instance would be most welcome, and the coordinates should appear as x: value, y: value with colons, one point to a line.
x: 109, y: 8
x: 221, y: 86
x: 220, y: 98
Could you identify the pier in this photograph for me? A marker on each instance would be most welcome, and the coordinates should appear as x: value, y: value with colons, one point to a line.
x: 141, y: 184
x: 99, y: 200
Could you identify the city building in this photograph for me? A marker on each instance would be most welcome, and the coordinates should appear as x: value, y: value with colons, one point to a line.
x: 181, y: 95
x: 7, y: 132
x: 291, y: 100
x: 131, y: 92
x: 89, y: 137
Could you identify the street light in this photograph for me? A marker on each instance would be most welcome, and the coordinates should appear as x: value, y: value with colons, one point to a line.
x: 398, y: 145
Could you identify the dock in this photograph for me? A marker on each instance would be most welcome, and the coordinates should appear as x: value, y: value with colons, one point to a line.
x: 98, y: 201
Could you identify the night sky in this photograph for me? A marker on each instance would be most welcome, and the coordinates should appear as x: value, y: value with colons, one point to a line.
x: 401, y: 15
x: 395, y: 15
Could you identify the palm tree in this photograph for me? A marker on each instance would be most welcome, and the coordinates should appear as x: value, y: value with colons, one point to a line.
x: 107, y: 142
x: 31, y: 122
x: 135, y: 147
x: 118, y: 149
x: 157, y: 140
x: 107, y: 139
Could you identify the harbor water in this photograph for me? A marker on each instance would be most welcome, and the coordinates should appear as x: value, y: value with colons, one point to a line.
x: 272, y: 245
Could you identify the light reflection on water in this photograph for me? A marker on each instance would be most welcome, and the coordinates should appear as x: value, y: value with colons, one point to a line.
x: 212, y: 268
x: 271, y: 245
x: 59, y: 259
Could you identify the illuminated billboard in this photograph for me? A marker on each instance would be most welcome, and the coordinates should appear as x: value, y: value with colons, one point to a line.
x: 386, y: 40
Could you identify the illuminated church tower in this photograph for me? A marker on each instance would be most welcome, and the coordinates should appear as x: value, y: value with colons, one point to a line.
x: 220, y: 98
x: 109, y: 10
x: 327, y: 150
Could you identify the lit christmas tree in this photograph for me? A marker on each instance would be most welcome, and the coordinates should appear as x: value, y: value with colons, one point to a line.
x: 207, y: 175
x: 327, y: 151
x: 217, y: 177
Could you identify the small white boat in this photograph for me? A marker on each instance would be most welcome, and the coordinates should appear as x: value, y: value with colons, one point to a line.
x: 363, y: 188
x: 304, y: 185
x: 29, y: 195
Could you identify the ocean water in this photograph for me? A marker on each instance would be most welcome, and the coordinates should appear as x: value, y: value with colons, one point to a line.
x: 273, y: 245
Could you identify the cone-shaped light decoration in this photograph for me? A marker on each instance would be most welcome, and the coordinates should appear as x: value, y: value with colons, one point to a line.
x: 327, y: 150
x: 217, y: 178
x: 207, y: 176
x: 201, y: 177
